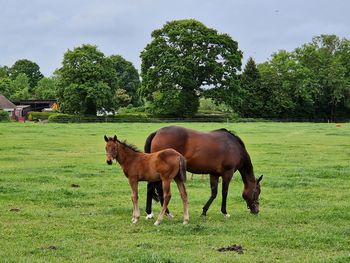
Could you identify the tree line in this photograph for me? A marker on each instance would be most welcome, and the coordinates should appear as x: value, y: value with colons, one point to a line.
x: 186, y: 61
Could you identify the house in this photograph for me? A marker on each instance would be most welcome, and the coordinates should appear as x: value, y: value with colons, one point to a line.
x: 8, y: 106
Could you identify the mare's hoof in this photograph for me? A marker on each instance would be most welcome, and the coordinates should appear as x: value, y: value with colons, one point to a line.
x: 149, y: 216
x: 157, y: 223
x: 226, y: 216
x: 204, y: 217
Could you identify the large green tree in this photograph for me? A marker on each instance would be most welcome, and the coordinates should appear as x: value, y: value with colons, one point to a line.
x: 253, y: 98
x: 184, y: 59
x: 89, y: 81
x: 46, y: 88
x: 31, y: 69
x: 127, y: 79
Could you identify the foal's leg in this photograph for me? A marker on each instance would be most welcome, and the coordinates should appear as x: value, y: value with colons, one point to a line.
x: 183, y: 193
x: 134, y: 197
x: 167, y: 195
x: 214, y: 179
x: 226, y: 179
x: 159, y: 189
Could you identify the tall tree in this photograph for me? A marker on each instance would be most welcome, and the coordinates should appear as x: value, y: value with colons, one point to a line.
x: 184, y: 59
x: 90, y: 82
x: 46, y: 89
x: 127, y: 79
x: 85, y: 81
x: 253, y: 98
x: 20, y: 88
x: 31, y: 69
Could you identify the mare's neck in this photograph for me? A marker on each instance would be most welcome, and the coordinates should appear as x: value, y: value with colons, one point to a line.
x: 247, y: 175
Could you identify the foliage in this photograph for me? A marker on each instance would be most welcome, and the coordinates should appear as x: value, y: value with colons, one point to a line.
x: 252, y: 95
x: 313, y: 81
x: 6, y: 87
x: 304, y: 201
x: 46, y: 89
x: 20, y: 88
x: 4, y: 72
x: 29, y: 68
x: 88, y: 81
x: 4, y: 116
x: 208, y: 105
x: 127, y: 78
x: 184, y: 59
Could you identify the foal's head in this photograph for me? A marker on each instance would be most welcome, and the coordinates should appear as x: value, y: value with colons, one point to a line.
x: 111, y: 148
x: 251, y: 196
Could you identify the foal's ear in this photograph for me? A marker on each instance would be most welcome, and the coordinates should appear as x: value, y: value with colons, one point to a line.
x: 260, y: 178
x: 106, y: 139
x: 115, y: 138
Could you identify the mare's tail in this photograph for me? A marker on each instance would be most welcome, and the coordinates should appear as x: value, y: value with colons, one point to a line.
x: 182, y: 169
x: 148, y: 142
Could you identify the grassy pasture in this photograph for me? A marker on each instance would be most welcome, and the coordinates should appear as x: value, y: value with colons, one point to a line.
x: 305, y: 199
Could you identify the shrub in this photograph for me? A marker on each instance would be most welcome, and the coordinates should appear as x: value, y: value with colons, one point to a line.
x: 4, y: 116
x: 35, y: 115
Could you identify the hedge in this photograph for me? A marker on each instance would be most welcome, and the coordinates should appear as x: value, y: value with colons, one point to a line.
x: 68, y: 118
x: 36, y: 115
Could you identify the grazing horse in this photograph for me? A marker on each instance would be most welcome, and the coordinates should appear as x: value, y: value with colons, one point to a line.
x: 218, y: 153
x: 163, y: 165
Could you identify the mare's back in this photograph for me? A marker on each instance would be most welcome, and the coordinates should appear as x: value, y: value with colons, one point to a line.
x: 204, y: 151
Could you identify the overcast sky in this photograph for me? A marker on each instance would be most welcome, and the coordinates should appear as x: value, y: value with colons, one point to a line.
x: 43, y: 30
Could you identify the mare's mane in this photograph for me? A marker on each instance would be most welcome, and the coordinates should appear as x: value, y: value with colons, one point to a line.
x: 233, y: 135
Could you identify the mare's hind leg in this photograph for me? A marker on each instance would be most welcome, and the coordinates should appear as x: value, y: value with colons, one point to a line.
x: 214, y: 179
x: 226, y: 179
x: 134, y: 197
x: 183, y: 193
x: 167, y: 195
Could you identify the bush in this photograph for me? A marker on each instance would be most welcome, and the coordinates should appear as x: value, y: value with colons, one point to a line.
x: 36, y: 115
x: 4, y: 116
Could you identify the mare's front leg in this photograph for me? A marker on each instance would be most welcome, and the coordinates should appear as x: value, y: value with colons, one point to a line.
x: 134, y: 198
x: 167, y: 195
x: 214, y: 179
x: 226, y: 179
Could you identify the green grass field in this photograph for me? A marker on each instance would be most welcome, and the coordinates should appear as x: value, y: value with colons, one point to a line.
x: 305, y: 199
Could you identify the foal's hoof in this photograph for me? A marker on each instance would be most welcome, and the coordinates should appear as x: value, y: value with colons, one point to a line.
x: 170, y: 216
x: 134, y: 220
x: 185, y: 222
x: 157, y: 223
x: 226, y: 216
x: 149, y: 216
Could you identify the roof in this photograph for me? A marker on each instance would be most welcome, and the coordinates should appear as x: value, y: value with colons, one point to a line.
x: 5, y: 103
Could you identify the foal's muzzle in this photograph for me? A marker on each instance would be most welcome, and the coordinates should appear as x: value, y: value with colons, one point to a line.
x: 109, y: 162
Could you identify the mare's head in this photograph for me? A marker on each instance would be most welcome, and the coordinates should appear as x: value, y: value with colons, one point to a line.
x: 111, y: 148
x: 251, y: 196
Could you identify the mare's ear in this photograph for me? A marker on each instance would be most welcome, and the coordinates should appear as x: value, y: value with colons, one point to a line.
x: 260, y: 178
x: 106, y: 139
x: 115, y: 138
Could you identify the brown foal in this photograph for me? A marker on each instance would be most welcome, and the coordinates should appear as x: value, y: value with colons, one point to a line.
x: 163, y: 165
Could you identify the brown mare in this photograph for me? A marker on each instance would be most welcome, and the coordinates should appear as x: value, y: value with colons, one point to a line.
x: 163, y: 165
x: 218, y: 153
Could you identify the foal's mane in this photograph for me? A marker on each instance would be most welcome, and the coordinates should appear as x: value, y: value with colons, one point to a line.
x: 233, y: 135
x: 130, y: 146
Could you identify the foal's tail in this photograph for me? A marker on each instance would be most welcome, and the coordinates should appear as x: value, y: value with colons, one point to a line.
x: 182, y: 169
